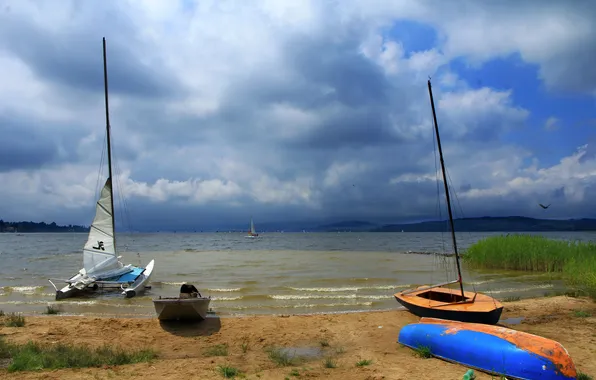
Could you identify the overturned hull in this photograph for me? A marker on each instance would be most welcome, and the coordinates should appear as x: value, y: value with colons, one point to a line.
x: 493, y: 349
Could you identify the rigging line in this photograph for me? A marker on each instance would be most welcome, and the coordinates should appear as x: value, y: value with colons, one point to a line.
x: 117, y: 183
x: 461, y: 210
x: 98, y: 184
x: 489, y: 286
x: 442, y: 258
x: 124, y: 212
x: 125, y: 208
x: 452, y: 190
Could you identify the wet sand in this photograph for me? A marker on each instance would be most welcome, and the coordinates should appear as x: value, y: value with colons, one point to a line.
x: 351, y: 337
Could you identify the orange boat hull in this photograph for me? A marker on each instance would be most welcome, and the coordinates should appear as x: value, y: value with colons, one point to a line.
x: 445, y: 303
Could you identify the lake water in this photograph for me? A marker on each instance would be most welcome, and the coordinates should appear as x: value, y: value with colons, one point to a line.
x: 277, y: 273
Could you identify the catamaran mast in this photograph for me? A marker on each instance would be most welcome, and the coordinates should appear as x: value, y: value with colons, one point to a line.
x: 432, y: 104
x: 105, y: 86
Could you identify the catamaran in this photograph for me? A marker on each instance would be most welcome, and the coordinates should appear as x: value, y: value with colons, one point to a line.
x: 252, y: 233
x: 101, y: 264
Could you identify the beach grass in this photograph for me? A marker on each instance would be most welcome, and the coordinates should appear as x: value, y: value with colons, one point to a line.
x: 575, y: 260
x: 14, y: 320
x: 216, y: 350
x: 51, y: 310
x: 423, y: 352
x: 329, y: 363
x: 294, y: 372
x: 281, y: 357
x: 228, y: 372
x: 511, y: 299
x: 35, y: 356
x: 245, y: 345
x: 363, y: 362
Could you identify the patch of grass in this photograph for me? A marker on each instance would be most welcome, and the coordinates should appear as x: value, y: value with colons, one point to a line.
x: 1, y: 313
x: 51, y: 309
x: 14, y: 320
x: 324, y: 343
x: 363, y: 362
x: 281, y: 357
x: 423, y: 352
x: 511, y: 299
x: 244, y: 345
x: 575, y: 260
x: 329, y: 363
x: 295, y: 372
x: 581, y: 314
x: 217, y: 350
x: 228, y: 372
x: 583, y: 376
x: 340, y: 350
x: 35, y: 356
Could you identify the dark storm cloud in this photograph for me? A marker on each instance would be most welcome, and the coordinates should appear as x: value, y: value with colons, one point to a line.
x: 26, y: 144
x: 352, y: 128
x: 356, y: 80
x: 73, y: 57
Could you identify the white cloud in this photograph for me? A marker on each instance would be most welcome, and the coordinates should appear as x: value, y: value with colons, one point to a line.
x: 551, y: 124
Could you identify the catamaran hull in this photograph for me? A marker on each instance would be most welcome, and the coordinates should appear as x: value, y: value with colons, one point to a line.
x: 67, y: 292
x: 136, y: 278
x: 138, y: 287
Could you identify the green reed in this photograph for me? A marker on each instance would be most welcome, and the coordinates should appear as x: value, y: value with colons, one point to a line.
x: 575, y: 260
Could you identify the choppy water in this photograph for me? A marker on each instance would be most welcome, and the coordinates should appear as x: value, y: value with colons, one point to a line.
x: 278, y: 273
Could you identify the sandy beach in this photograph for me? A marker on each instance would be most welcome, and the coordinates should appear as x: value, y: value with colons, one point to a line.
x: 351, y: 337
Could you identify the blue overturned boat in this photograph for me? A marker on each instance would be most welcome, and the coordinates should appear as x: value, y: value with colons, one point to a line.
x: 492, y: 349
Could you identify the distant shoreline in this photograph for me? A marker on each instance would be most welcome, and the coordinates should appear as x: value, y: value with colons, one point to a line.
x: 507, y: 224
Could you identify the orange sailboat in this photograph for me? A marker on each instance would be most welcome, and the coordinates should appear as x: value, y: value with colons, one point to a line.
x: 439, y: 301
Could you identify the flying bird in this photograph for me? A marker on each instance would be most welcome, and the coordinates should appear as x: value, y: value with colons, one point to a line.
x: 543, y: 206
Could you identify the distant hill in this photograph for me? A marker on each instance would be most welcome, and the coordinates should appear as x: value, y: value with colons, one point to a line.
x: 494, y: 224
x: 39, y: 227
x: 352, y: 225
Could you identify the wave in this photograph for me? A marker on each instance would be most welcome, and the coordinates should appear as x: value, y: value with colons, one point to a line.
x: 225, y: 289
x: 338, y: 296
x: 301, y: 305
x: 72, y: 302
x: 23, y: 289
x: 516, y: 290
x: 350, y: 288
x: 226, y: 298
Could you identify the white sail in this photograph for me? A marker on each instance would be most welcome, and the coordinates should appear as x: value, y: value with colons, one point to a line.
x: 99, y: 253
x: 252, y: 227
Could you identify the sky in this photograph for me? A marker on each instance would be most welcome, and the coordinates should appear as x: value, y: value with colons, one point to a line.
x: 297, y: 110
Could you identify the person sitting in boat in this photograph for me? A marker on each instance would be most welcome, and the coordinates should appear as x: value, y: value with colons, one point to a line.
x: 189, y: 291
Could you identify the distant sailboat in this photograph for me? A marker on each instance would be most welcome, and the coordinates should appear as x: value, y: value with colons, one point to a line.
x: 101, y: 264
x: 252, y: 233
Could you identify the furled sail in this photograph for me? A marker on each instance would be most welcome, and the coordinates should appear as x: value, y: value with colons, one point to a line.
x: 99, y: 253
